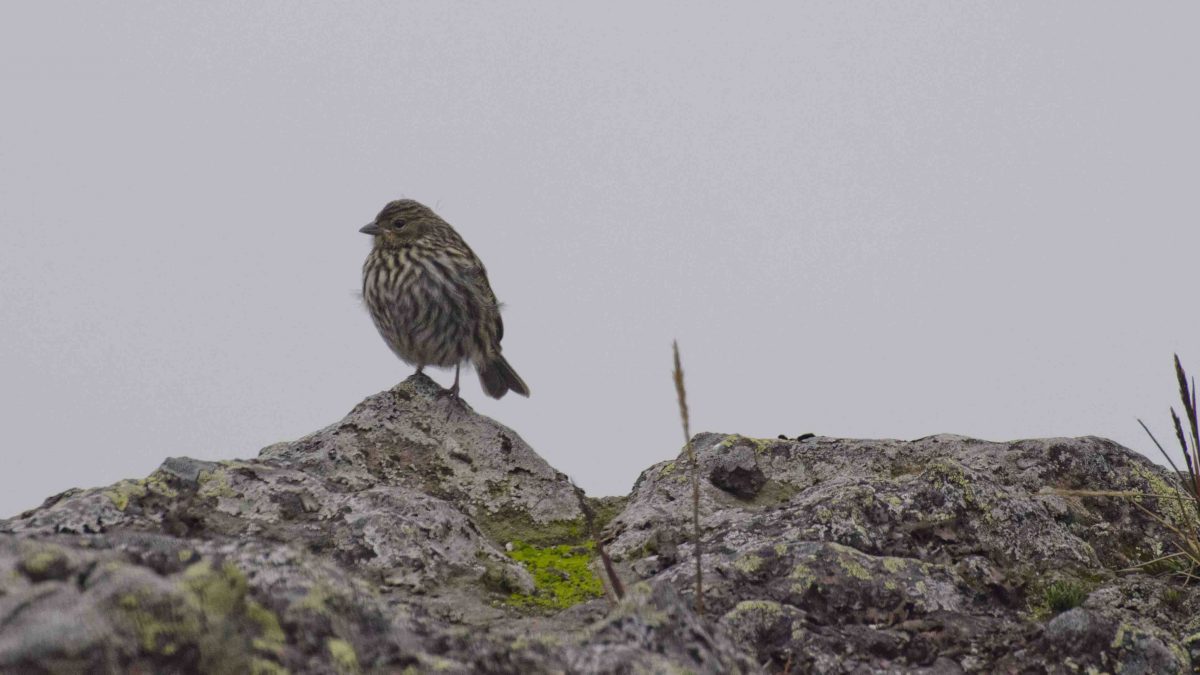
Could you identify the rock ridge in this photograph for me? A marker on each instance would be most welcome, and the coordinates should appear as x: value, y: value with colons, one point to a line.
x: 415, y: 535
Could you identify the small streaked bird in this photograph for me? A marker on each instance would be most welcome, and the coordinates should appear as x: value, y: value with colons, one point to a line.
x: 430, y: 299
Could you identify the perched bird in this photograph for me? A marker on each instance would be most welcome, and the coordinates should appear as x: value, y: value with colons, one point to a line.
x: 430, y: 299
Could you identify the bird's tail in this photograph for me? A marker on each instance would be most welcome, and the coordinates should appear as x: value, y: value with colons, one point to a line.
x: 498, y: 378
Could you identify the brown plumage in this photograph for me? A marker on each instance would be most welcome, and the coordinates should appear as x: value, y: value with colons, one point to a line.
x: 430, y: 299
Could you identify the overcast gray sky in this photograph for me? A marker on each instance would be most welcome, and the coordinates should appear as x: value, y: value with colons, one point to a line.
x: 859, y: 219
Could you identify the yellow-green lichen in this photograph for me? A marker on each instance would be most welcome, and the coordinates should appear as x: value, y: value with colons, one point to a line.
x: 271, y: 637
x: 345, y: 659
x: 853, y: 567
x: 260, y: 666
x: 802, y: 578
x: 121, y: 493
x: 211, y: 609
x: 894, y: 565
x: 765, y: 608
x: 43, y: 560
x: 1125, y: 633
x: 562, y: 575
x: 125, y: 491
x: 157, y: 484
x: 1170, y: 502
x: 748, y: 564
x: 316, y: 600
x: 215, y: 483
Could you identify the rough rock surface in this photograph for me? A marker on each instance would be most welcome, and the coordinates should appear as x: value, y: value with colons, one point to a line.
x: 416, y: 536
x: 945, y: 554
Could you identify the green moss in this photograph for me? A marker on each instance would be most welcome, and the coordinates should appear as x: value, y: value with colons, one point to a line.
x: 510, y: 525
x: 561, y: 574
x: 345, y: 659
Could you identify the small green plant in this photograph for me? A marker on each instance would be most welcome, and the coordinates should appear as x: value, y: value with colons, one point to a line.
x: 1172, y: 598
x: 1056, y: 597
x: 1063, y: 595
x: 562, y: 575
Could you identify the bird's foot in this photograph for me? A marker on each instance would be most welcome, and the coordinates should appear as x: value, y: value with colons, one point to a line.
x: 455, y: 400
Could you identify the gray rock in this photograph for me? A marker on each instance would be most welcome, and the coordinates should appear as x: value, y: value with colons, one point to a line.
x: 935, y: 555
x: 393, y: 541
x: 737, y: 473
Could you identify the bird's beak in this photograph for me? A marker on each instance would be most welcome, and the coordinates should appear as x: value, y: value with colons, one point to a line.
x: 370, y: 228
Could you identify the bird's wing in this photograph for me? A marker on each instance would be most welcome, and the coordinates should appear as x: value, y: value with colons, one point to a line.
x: 477, y: 275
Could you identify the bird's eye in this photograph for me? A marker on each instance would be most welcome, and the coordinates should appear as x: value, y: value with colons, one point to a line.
x: 398, y: 224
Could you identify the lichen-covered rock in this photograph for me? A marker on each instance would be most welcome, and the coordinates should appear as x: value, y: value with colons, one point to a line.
x: 944, y: 554
x: 349, y: 543
x: 415, y: 536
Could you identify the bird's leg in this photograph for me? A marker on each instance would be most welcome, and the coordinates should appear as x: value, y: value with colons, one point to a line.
x: 420, y: 368
x: 452, y: 392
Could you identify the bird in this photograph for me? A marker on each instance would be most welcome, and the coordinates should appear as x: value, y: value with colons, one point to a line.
x: 429, y: 296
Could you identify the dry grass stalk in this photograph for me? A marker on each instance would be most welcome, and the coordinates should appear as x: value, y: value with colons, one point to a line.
x: 681, y: 394
x: 1185, y: 529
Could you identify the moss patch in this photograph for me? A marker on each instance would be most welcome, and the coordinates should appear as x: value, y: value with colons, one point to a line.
x: 562, y: 575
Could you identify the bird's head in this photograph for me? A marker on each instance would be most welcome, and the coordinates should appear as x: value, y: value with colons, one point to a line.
x: 402, y: 222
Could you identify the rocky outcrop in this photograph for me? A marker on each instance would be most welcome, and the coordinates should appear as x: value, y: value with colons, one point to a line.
x: 944, y: 554
x: 417, y: 536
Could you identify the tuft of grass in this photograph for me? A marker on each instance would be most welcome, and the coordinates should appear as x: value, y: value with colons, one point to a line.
x: 1061, y: 596
x: 1172, y: 598
x: 681, y: 394
x: 1056, y: 597
x: 1186, y: 534
x: 1176, y: 508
